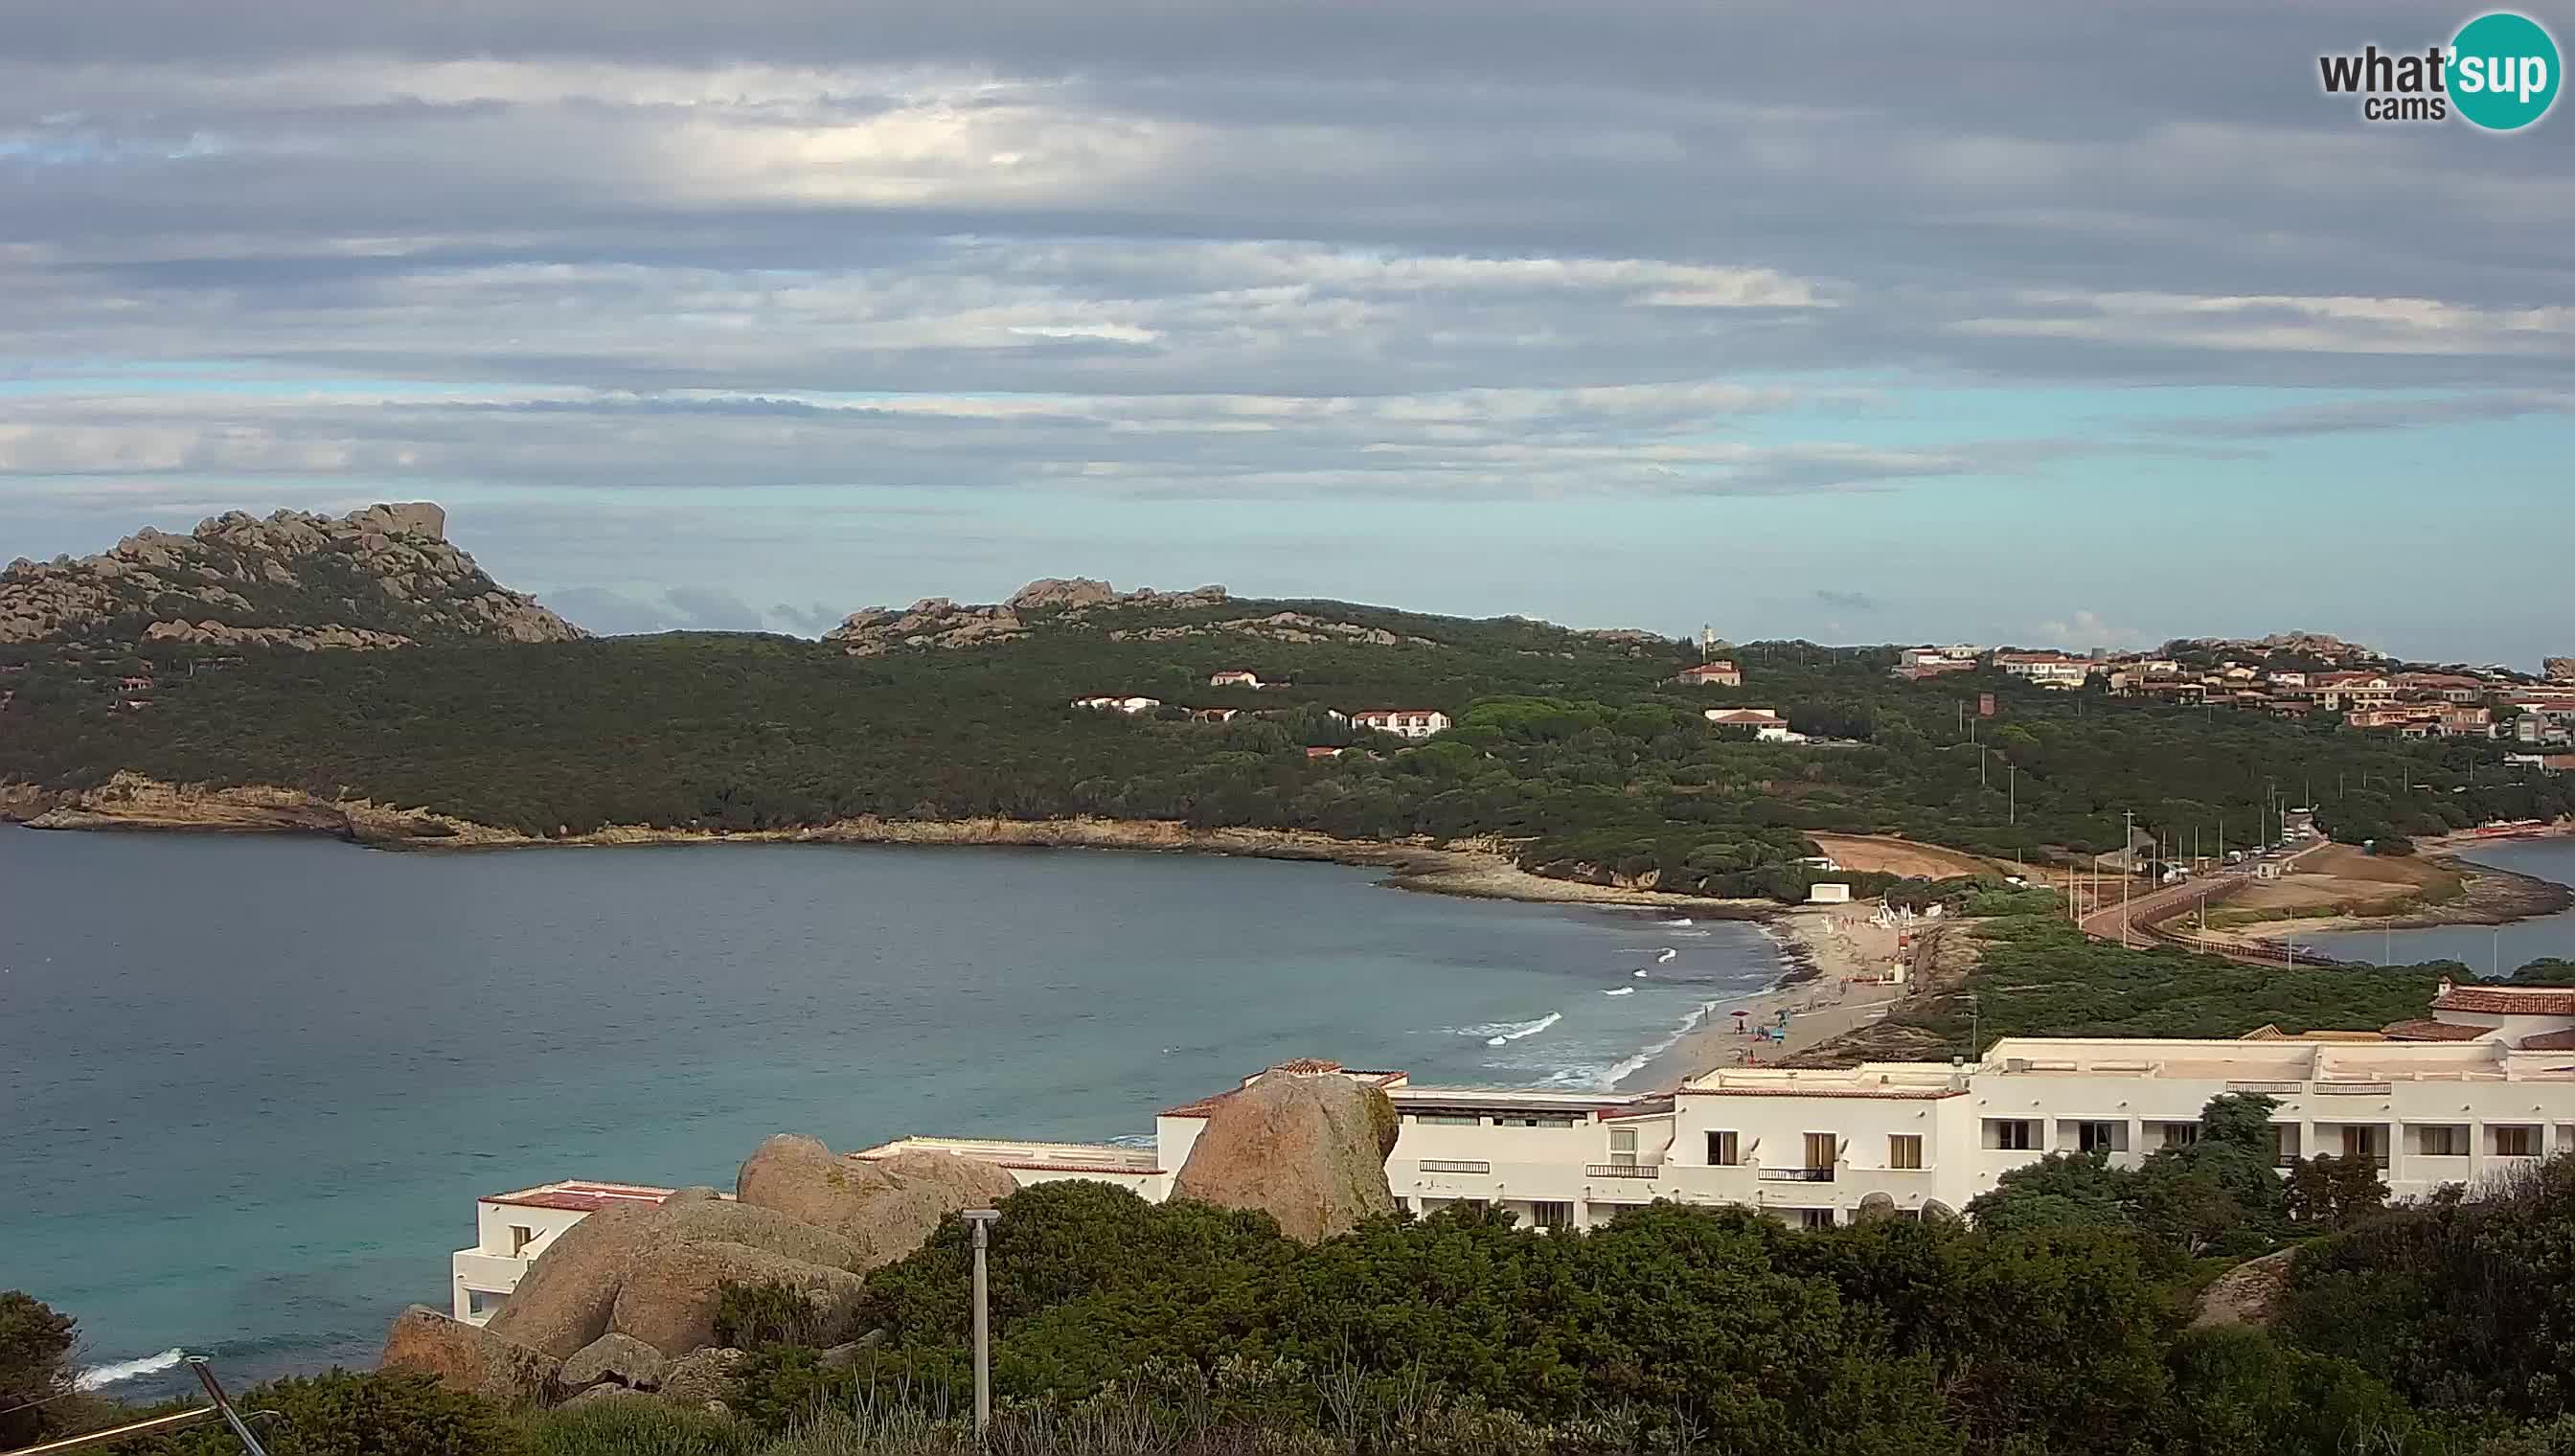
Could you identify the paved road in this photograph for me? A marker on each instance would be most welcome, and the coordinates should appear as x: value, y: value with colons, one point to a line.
x: 2129, y: 922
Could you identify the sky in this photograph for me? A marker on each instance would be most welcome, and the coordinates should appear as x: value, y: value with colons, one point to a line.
x: 2085, y: 325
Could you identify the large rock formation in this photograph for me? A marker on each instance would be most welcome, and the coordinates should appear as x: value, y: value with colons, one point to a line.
x: 465, y: 1358
x: 385, y: 577
x: 709, y: 1220
x: 565, y: 1299
x: 1307, y: 1147
x: 621, y: 1359
x: 886, y: 1207
x: 2250, y: 1293
x: 937, y: 621
x: 703, y: 1378
x: 669, y: 1297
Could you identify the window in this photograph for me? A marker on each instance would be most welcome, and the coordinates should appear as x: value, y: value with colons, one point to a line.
x: 2443, y: 1141
x: 1537, y: 1120
x: 1547, y: 1214
x: 2009, y: 1134
x: 483, y: 1304
x: 1724, y: 1150
x: 1814, y: 1218
x: 519, y: 1237
x: 2098, y: 1136
x: 1904, y: 1150
x: 2362, y: 1140
x: 2180, y: 1134
x: 2516, y: 1143
x: 2284, y: 1144
x: 1447, y: 1119
x: 1622, y: 1139
x: 1822, y: 1149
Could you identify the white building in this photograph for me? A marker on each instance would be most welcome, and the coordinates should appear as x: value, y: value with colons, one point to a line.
x: 1767, y: 726
x: 2047, y: 669
x: 1404, y: 723
x: 2484, y: 1086
x: 1108, y: 704
x: 510, y: 1229
x: 1234, y: 678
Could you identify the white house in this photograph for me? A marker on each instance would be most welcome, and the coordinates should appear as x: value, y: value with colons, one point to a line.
x: 2482, y: 1086
x: 1767, y: 726
x: 1112, y: 704
x: 510, y: 1229
x: 1406, y: 723
x: 1233, y: 678
x: 1710, y: 675
x: 2047, y: 669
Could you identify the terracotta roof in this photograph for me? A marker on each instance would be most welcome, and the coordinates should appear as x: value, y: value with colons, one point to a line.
x: 2550, y: 1041
x: 1307, y: 1067
x: 581, y: 1197
x: 2507, y: 1000
x: 2424, y: 1031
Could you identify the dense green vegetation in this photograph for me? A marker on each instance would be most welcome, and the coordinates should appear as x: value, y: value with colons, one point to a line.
x: 2039, y: 976
x: 2057, y: 1321
x: 1573, y: 747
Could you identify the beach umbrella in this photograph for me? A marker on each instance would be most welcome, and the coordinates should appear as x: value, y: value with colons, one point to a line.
x: 1739, y: 1022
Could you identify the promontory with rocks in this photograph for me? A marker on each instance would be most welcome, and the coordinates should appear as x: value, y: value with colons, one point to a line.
x: 655, y: 1301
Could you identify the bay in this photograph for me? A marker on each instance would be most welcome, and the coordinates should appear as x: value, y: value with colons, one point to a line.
x: 2484, y: 949
x: 251, y: 1087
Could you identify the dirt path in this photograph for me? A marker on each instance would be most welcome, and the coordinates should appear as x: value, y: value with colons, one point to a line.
x: 1884, y: 853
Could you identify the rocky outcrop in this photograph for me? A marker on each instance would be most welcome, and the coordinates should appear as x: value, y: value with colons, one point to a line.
x: 465, y: 1358
x: 937, y: 621
x: 566, y: 1296
x: 887, y: 1207
x: 381, y: 578
x: 1278, y: 626
x: 704, y: 1378
x: 618, y: 1358
x: 2250, y: 1293
x: 668, y: 1298
x: 1304, y: 1143
x: 766, y: 1229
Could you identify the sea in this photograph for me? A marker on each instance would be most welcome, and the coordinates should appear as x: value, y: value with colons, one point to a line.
x: 2486, y: 951
x: 251, y: 1087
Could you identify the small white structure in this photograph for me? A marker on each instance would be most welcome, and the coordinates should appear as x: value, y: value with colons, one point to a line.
x: 2047, y: 669
x: 1136, y: 1169
x: 1829, y: 892
x: 510, y: 1229
x: 1234, y: 678
x: 1717, y: 674
x: 1403, y: 723
x: 1824, y: 863
x: 1110, y: 704
x: 1767, y: 726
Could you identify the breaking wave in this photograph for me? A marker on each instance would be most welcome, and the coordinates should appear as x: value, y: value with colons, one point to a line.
x: 1504, y: 1032
x: 98, y: 1377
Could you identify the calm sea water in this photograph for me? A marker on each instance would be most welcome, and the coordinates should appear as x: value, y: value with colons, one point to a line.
x: 250, y: 1088
x: 2483, y: 948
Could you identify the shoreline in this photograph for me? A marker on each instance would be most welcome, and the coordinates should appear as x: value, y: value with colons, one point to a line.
x: 2493, y: 896
x: 1471, y: 869
x: 1830, y: 956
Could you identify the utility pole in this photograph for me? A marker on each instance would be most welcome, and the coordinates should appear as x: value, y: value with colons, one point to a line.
x: 2011, y: 794
x: 982, y: 1219
x: 2128, y: 879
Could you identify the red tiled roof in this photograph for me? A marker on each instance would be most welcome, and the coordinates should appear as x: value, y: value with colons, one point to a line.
x: 2426, y: 1030
x: 2550, y: 1041
x: 2507, y: 1000
x: 581, y: 1197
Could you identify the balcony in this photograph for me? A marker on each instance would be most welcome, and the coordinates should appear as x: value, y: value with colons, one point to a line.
x: 1796, y: 1176
x: 2352, y: 1089
x: 1454, y: 1165
x: 1620, y: 1170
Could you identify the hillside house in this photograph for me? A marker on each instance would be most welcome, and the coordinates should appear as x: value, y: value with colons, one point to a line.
x: 1234, y: 677
x: 1710, y: 675
x: 1215, y: 714
x: 1114, y: 704
x: 2047, y: 669
x: 1768, y: 727
x: 1403, y: 723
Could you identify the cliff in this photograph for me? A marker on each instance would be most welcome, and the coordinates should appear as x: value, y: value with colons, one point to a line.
x: 385, y: 577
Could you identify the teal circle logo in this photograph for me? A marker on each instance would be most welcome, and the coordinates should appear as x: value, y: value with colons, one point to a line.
x: 2503, y: 71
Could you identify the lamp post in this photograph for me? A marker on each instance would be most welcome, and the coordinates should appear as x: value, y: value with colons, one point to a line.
x: 982, y: 1219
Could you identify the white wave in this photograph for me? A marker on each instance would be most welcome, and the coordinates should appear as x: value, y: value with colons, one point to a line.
x: 1527, y: 1029
x: 1638, y: 973
x: 1667, y: 957
x: 1134, y: 1139
x: 1684, y: 920
x: 98, y: 1377
x: 1620, y: 992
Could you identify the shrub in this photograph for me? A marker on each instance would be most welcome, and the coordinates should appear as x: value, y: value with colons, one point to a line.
x: 767, y: 1313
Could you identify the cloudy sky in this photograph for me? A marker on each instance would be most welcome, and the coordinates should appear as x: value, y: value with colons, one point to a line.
x: 2090, y: 323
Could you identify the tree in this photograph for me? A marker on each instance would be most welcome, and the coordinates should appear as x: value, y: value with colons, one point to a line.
x: 2326, y: 1191
x: 36, y: 1347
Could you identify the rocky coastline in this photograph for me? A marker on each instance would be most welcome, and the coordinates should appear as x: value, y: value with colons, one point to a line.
x: 1479, y: 869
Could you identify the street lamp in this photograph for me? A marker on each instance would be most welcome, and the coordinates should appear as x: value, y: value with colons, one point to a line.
x: 982, y: 1219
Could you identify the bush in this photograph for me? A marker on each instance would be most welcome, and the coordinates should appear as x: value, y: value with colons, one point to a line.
x: 358, y: 1413
x: 633, y: 1427
x: 768, y: 1314
x: 36, y: 1347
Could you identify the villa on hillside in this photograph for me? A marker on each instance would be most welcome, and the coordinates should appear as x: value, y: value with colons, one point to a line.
x: 1115, y: 703
x: 1767, y: 726
x: 2481, y: 1087
x: 1234, y: 678
x: 1403, y: 723
x: 1710, y: 675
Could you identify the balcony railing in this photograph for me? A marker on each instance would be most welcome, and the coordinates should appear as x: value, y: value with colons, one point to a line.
x: 1456, y: 1165
x: 1796, y: 1176
x: 2352, y: 1089
x: 2284, y: 1089
x: 1619, y: 1170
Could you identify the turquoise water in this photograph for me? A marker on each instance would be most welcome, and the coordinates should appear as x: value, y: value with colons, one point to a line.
x: 250, y: 1088
x: 2485, y: 949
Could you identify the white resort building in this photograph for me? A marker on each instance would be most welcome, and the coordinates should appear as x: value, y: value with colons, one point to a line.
x: 2482, y: 1086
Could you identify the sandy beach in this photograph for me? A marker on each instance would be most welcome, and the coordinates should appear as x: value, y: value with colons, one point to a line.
x: 1835, y: 952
